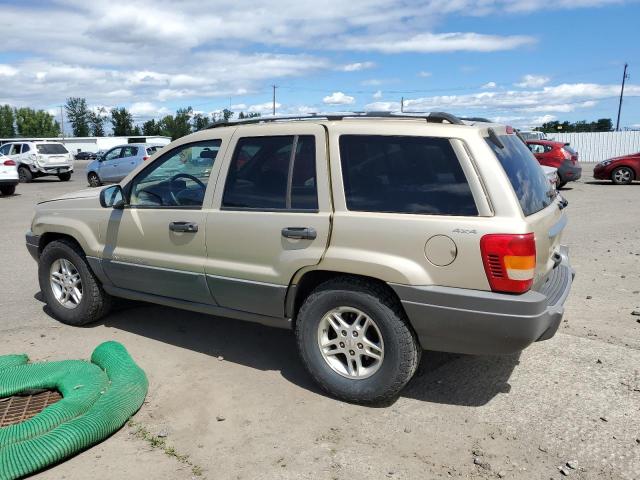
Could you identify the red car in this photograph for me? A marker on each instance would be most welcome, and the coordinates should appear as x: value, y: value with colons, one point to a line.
x: 558, y: 155
x: 620, y: 170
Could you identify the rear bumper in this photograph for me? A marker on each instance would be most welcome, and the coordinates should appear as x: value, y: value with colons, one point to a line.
x: 479, y: 322
x: 569, y: 172
x: 51, y: 170
x: 33, y: 245
x: 8, y: 181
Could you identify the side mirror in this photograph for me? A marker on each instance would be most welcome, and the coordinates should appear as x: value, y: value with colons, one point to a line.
x: 112, y: 197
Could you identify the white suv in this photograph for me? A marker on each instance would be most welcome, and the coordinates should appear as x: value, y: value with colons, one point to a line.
x: 8, y: 175
x: 38, y: 159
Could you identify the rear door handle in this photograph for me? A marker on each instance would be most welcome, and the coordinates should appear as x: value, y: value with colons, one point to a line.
x: 183, y: 227
x: 300, y: 233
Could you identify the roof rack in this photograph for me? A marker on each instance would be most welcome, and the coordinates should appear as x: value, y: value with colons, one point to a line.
x: 430, y: 117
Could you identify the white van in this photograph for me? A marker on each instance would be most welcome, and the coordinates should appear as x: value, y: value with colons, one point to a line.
x: 38, y: 159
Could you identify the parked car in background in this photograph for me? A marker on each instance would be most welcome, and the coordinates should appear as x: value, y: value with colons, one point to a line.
x: 372, y: 237
x: 532, y: 135
x: 620, y: 170
x: 8, y: 175
x: 557, y: 155
x: 116, y: 163
x: 552, y: 175
x: 86, y: 156
x: 39, y: 159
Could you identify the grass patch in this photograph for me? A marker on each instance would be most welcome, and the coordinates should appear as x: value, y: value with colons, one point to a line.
x: 141, y: 433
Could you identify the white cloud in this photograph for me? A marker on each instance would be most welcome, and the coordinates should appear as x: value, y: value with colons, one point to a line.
x: 377, y: 95
x: 489, y: 85
x: 263, y: 108
x: 7, y: 70
x: 338, y: 98
x: 356, y: 67
x: 532, y: 81
x: 562, y: 98
x: 433, y: 42
x: 536, y: 121
x: 424, y: 74
x: 147, y: 110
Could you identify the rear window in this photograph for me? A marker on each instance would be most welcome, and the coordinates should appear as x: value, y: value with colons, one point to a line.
x: 532, y: 188
x: 51, y: 148
x: 401, y: 174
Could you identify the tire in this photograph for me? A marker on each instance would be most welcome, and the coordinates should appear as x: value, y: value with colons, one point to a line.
x: 25, y: 175
x: 65, y: 177
x: 8, y: 189
x: 401, y: 351
x: 622, y: 176
x: 94, y: 180
x: 561, y: 185
x: 94, y: 302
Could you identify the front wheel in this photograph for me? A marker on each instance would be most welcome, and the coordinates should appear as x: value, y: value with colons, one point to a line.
x: 622, y: 176
x: 70, y: 288
x: 65, y: 177
x: 355, y: 341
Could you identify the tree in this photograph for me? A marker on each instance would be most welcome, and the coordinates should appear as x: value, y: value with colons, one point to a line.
x: 78, y: 115
x: 36, y: 123
x: 151, y: 128
x: 96, y: 121
x: 601, y: 125
x: 177, y: 126
x: 122, y: 122
x: 7, y: 120
x: 243, y: 115
x: 200, y: 122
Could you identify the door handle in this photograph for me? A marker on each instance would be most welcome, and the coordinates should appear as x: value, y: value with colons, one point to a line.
x: 183, y: 227
x: 300, y: 233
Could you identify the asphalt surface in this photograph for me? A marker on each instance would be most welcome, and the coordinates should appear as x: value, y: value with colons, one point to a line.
x: 230, y: 400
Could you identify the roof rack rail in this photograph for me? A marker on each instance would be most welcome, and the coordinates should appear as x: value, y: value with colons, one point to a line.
x: 430, y: 117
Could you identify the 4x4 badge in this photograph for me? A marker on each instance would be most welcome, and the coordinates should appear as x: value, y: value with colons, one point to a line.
x: 464, y: 230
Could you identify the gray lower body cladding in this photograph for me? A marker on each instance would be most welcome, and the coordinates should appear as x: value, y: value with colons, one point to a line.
x: 485, y: 323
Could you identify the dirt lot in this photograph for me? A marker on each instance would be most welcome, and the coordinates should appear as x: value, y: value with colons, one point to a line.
x: 575, y: 398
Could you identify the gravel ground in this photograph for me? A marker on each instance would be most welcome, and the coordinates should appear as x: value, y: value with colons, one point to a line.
x: 230, y: 400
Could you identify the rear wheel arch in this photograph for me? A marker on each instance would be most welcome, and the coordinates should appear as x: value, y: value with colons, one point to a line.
x: 297, y: 293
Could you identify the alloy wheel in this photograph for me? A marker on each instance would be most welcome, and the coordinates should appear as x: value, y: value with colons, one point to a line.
x: 66, y: 283
x: 350, y: 342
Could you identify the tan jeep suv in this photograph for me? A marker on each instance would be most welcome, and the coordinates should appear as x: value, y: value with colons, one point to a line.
x: 372, y: 236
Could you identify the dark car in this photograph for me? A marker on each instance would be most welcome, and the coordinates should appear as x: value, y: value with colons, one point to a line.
x: 558, y: 155
x: 85, y: 156
x: 620, y: 170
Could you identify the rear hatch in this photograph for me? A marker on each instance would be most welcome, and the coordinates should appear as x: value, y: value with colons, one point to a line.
x: 51, y: 154
x: 539, y: 201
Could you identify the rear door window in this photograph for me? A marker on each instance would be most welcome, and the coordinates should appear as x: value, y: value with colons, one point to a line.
x: 532, y: 188
x: 25, y: 148
x: 129, y: 152
x: 15, y: 149
x: 402, y: 174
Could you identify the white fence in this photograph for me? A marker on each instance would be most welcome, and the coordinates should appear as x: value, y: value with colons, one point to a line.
x: 598, y: 146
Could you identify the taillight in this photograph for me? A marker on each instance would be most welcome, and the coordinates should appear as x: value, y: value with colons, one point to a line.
x: 144, y: 159
x: 509, y: 261
x: 9, y: 163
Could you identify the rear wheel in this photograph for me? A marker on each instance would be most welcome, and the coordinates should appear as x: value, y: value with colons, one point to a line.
x: 94, y: 180
x: 64, y: 177
x: 70, y: 288
x: 622, y: 176
x: 25, y: 175
x: 354, y: 339
x: 8, y: 189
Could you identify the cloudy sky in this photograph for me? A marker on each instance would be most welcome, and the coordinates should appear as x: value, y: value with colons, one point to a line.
x: 516, y: 61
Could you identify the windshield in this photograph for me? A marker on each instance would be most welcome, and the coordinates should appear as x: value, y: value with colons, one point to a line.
x: 532, y: 188
x: 51, y: 148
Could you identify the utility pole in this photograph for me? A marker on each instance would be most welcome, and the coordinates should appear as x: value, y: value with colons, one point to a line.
x: 624, y: 77
x: 61, y: 121
x: 402, y: 105
x: 274, y: 99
